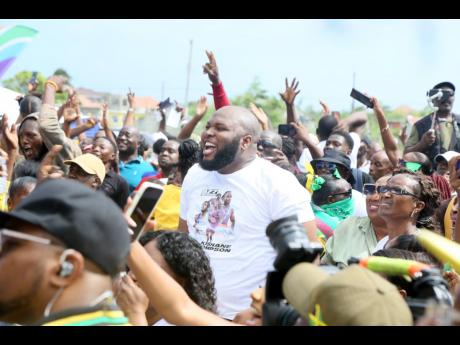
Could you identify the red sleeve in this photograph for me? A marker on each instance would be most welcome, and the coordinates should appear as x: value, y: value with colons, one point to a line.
x: 220, y: 97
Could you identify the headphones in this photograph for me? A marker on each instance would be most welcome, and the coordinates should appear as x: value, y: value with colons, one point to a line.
x: 66, y: 267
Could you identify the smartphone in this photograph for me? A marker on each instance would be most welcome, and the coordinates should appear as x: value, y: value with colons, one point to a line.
x: 33, y: 80
x: 458, y: 165
x: 287, y: 130
x: 143, y: 205
x: 362, y: 98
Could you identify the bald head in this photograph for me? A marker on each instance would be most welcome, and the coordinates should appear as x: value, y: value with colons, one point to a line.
x: 128, y: 141
x: 242, y: 120
x: 380, y: 165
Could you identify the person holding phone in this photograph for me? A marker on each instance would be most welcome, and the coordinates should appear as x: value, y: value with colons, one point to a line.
x: 439, y: 131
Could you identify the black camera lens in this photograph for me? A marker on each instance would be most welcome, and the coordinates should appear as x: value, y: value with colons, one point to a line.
x: 289, y: 239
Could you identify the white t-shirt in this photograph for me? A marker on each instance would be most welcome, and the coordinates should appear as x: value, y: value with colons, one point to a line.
x: 306, y: 155
x: 360, y: 203
x: 380, y: 244
x: 232, y: 227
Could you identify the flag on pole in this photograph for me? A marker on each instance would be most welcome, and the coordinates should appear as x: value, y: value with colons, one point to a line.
x: 12, y: 40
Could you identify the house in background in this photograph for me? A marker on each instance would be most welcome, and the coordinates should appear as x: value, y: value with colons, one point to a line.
x: 91, y: 105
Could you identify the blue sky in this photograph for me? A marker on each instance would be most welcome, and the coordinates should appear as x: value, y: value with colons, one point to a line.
x: 395, y: 60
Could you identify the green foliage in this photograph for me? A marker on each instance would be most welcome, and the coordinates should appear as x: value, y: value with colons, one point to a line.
x: 20, y: 81
x: 63, y: 72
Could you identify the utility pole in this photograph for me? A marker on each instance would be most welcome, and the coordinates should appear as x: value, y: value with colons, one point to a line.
x: 353, y: 100
x: 189, y: 68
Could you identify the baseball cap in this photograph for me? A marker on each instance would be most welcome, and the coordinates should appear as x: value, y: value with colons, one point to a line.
x: 448, y: 155
x: 83, y: 219
x: 354, y: 296
x: 336, y: 157
x: 444, y: 84
x: 89, y: 163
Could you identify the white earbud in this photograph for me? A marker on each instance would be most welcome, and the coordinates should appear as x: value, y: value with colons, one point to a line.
x: 66, y: 267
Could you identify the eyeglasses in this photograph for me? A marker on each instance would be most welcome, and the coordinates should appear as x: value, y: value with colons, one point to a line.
x: 394, y: 190
x: 348, y: 193
x: 16, y: 235
x: 369, y: 189
x: 323, y: 165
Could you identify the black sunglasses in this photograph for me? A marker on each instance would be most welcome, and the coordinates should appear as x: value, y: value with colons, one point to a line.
x: 369, y: 189
x: 394, y: 190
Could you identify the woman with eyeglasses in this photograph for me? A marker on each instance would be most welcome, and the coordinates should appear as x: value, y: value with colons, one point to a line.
x: 358, y: 236
x: 331, y: 203
x: 407, y: 202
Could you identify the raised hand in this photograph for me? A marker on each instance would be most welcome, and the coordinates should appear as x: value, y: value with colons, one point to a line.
x: 130, y: 297
x: 91, y: 122
x: 201, y: 107
x: 326, y: 110
x: 291, y: 92
x: 9, y: 134
x: 47, y: 168
x: 59, y: 80
x: 260, y: 115
x: 131, y: 99
x: 210, y: 68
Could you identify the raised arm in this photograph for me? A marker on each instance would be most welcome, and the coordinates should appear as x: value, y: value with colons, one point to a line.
x: 50, y: 129
x: 201, y: 109
x: 288, y: 96
x: 259, y: 113
x: 129, y: 119
x: 166, y: 295
x: 82, y: 128
x: 303, y: 135
x: 10, y: 136
x: 105, y: 124
x: 210, y: 68
x: 389, y: 142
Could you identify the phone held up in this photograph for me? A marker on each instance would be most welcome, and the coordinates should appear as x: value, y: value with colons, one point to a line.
x: 142, y: 207
x: 362, y: 98
x: 287, y: 130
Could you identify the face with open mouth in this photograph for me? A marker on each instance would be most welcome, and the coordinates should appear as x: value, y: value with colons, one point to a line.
x: 219, y: 144
x: 373, y: 199
x: 30, y: 140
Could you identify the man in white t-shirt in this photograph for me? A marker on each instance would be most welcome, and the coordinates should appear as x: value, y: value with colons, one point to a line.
x: 239, y: 195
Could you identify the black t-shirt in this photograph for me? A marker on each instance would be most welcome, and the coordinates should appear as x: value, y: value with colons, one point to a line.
x: 116, y: 188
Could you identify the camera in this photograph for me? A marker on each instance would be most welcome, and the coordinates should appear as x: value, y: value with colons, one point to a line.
x: 288, y: 238
x: 424, y: 286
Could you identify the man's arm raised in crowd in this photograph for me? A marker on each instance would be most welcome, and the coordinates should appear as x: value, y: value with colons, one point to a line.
x: 10, y: 137
x: 105, y: 124
x: 288, y: 96
x: 304, y: 136
x: 210, y: 68
x: 166, y: 295
x: 129, y: 118
x: 389, y: 142
x: 200, y: 111
x: 50, y: 129
x: 259, y: 113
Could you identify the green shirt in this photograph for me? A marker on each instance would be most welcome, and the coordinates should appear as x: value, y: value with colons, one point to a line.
x: 353, y: 237
x: 446, y: 131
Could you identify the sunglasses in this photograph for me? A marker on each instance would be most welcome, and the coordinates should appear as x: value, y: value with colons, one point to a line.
x: 323, y: 165
x: 369, y: 189
x: 348, y: 193
x: 7, y: 235
x: 394, y: 190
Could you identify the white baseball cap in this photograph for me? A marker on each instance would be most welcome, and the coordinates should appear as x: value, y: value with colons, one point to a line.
x: 448, y: 155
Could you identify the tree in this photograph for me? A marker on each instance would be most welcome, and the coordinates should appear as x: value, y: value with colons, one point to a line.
x: 63, y: 72
x: 19, y: 82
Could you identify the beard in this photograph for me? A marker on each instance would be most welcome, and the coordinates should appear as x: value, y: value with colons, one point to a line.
x: 222, y: 158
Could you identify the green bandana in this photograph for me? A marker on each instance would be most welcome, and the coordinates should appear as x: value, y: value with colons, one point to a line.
x: 340, y: 209
x: 317, y: 183
x: 412, y: 166
x: 336, y: 174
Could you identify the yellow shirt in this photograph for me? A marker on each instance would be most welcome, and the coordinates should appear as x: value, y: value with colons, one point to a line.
x: 166, y: 213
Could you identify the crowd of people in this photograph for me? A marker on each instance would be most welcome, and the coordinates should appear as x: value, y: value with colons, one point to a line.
x: 360, y: 207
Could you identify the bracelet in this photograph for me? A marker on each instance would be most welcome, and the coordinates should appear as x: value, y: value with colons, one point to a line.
x: 387, y: 128
x: 52, y: 83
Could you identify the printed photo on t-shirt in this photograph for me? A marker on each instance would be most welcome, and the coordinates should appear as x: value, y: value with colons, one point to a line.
x: 215, y: 221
